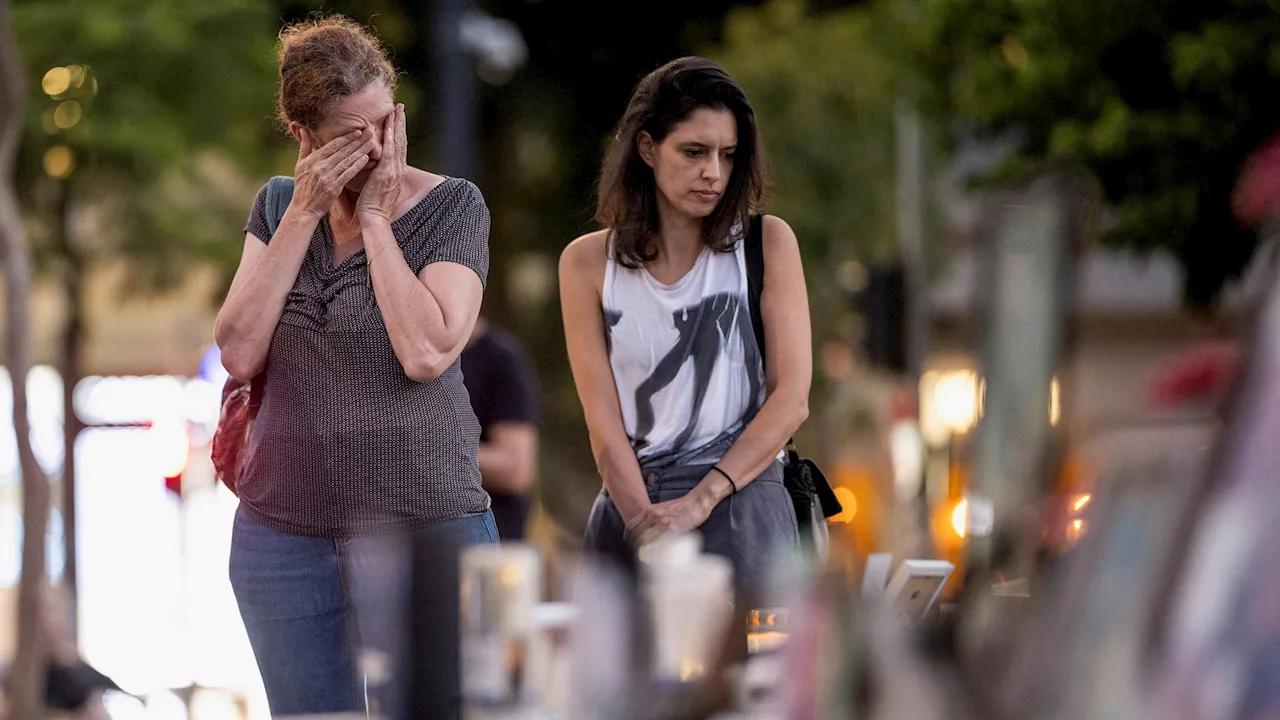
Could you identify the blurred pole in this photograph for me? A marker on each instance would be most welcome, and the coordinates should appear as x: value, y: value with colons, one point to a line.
x: 910, y: 210
x: 455, y: 150
x: 70, y: 369
x: 909, y: 136
x: 1028, y: 284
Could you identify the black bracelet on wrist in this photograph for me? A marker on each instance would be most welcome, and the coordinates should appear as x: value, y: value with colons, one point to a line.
x: 732, y: 484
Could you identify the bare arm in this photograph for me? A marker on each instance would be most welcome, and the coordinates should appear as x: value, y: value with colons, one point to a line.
x: 247, y: 319
x: 428, y: 316
x: 509, y: 458
x: 784, y: 308
x: 252, y: 309
x: 581, y: 277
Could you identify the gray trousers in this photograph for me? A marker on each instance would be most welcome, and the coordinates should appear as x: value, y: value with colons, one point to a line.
x: 750, y: 527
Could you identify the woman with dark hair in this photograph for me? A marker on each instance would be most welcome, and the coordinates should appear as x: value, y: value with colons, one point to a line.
x: 353, y: 304
x: 686, y: 420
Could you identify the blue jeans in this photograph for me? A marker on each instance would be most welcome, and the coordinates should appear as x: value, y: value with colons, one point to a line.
x: 314, y: 607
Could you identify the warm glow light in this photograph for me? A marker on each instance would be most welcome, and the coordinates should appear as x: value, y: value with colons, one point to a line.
x: 982, y: 397
x: 949, y: 404
x: 1055, y: 402
x: 59, y: 161
x: 1078, y: 525
x: 56, y: 81
x: 960, y: 517
x: 849, y: 503
x: 511, y: 575
x: 1014, y: 52
x: 170, y: 447
x: 67, y: 114
x: 77, y: 74
x: 691, y: 670
x: 852, y: 276
x: 1081, y: 502
x: 956, y: 398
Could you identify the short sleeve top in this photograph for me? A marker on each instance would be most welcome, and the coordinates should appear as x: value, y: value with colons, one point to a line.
x: 345, y: 443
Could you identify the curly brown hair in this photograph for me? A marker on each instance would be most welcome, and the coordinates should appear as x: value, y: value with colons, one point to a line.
x: 627, y: 191
x: 323, y: 60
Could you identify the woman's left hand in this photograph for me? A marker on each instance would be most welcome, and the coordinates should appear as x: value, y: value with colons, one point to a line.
x: 673, y: 516
x: 382, y: 190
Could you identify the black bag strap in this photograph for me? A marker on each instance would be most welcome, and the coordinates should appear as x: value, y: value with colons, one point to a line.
x: 279, y: 194
x: 753, y: 251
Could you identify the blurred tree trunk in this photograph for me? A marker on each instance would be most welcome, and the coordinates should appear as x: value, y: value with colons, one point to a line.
x: 26, y: 680
x: 71, y: 368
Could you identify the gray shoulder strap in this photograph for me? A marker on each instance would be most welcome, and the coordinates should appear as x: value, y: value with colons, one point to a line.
x: 279, y: 193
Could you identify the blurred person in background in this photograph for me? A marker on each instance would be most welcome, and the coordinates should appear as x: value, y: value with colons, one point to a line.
x: 504, y: 396
x: 686, y: 421
x: 356, y: 309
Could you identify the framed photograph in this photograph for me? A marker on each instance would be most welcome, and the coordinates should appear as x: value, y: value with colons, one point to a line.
x: 916, y: 585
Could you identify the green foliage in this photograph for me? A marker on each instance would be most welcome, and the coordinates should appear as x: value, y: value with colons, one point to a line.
x: 171, y: 136
x: 824, y: 96
x: 1161, y: 99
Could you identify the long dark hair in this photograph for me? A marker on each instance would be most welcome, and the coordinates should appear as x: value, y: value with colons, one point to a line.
x: 628, y: 193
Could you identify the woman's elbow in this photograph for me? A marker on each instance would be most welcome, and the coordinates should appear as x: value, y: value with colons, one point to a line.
x: 238, y: 363
x: 801, y: 411
x: 788, y: 410
x: 239, y: 366
x: 425, y: 366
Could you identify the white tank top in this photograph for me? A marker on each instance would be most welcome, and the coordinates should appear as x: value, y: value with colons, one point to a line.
x: 684, y: 357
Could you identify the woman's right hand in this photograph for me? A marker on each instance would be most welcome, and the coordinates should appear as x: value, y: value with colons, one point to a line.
x: 323, y: 171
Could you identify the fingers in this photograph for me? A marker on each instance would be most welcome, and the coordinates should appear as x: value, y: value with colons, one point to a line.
x: 349, y: 168
x: 638, y: 524
x: 337, y: 146
x: 334, y: 165
x: 389, y: 149
x: 402, y: 137
x: 650, y: 535
x: 645, y: 526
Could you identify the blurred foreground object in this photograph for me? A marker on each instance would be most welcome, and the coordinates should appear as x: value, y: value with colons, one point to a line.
x: 1200, y: 374
x: 500, y: 588
x: 1256, y: 200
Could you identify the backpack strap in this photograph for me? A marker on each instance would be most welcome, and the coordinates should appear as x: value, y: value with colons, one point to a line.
x: 279, y: 194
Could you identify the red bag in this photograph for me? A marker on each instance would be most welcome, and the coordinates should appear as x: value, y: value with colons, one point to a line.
x: 240, y: 401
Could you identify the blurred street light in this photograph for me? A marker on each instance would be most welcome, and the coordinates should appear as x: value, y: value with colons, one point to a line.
x: 496, y: 45
x: 56, y: 81
x: 949, y: 404
x: 469, y: 43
